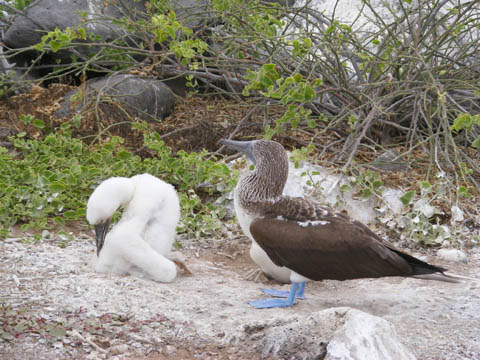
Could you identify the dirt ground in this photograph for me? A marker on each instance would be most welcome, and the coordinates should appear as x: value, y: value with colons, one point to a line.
x: 206, y: 315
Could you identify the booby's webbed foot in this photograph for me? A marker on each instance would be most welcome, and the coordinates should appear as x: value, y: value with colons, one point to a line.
x: 271, y: 303
x: 284, y: 293
x: 274, y: 303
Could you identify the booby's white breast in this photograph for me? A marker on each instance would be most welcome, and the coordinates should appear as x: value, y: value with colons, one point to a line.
x: 257, y: 254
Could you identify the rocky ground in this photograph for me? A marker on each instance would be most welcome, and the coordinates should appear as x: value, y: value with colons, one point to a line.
x: 70, y: 312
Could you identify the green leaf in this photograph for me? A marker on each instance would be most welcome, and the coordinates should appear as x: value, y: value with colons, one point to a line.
x: 407, y: 197
x: 463, y: 121
x: 56, y: 186
x: 55, y: 45
x: 377, y: 183
x: 309, y: 93
x: 26, y: 119
x: 463, y: 191
x: 311, y: 123
x: 330, y: 29
x: 269, y: 132
x: 317, y: 82
x: 82, y: 33
x: 39, y: 124
x: 70, y: 215
x: 345, y: 188
x: 366, y: 193
x: 425, y: 185
x: 476, y: 143
x: 124, y: 155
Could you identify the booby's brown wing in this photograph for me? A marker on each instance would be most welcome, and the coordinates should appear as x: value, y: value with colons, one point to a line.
x: 332, y: 248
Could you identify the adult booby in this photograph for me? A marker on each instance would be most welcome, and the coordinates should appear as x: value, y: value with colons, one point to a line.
x: 142, y: 239
x: 307, y: 239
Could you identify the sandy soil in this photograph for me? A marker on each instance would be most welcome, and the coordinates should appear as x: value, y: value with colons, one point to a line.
x: 206, y: 316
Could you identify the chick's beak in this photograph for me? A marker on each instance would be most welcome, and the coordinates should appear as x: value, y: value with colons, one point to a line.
x: 101, y: 231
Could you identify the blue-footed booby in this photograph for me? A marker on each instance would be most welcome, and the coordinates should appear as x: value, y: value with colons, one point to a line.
x: 140, y: 242
x: 309, y: 240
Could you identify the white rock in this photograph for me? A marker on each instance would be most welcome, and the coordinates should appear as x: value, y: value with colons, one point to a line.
x: 392, y: 199
x: 349, y: 333
x: 457, y: 214
x: 362, y: 210
x: 453, y: 255
x: 364, y: 336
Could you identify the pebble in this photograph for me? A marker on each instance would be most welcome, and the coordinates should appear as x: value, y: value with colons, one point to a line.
x: 119, y: 349
x: 170, y: 350
x: 453, y: 255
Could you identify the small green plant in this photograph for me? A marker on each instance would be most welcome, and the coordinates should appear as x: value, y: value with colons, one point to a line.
x: 16, y: 322
x: 300, y: 155
x: 421, y: 222
x: 368, y: 183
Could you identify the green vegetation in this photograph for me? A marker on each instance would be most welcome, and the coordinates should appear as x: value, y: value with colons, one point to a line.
x: 52, y: 177
x: 407, y: 80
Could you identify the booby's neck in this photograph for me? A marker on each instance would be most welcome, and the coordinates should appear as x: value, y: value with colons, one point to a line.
x: 266, y: 182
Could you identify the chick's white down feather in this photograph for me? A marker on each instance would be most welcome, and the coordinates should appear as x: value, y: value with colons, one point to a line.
x: 141, y: 240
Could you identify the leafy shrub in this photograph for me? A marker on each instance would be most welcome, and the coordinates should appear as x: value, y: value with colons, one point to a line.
x: 52, y: 178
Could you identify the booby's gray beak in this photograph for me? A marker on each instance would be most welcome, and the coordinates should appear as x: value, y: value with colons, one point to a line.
x: 101, y: 231
x: 244, y: 146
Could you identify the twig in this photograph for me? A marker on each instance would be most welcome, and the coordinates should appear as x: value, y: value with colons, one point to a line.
x: 366, y: 125
x: 173, y: 132
x: 75, y: 333
x: 237, y: 129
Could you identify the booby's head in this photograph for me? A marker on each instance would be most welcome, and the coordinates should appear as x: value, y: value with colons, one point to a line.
x: 104, y: 201
x: 271, y: 166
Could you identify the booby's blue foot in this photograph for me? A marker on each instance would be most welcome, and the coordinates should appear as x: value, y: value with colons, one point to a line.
x: 284, y: 294
x: 271, y: 303
x: 276, y: 293
x: 274, y: 303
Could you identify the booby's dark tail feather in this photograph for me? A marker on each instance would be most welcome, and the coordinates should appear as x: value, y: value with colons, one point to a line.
x: 423, y: 270
x: 438, y: 277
